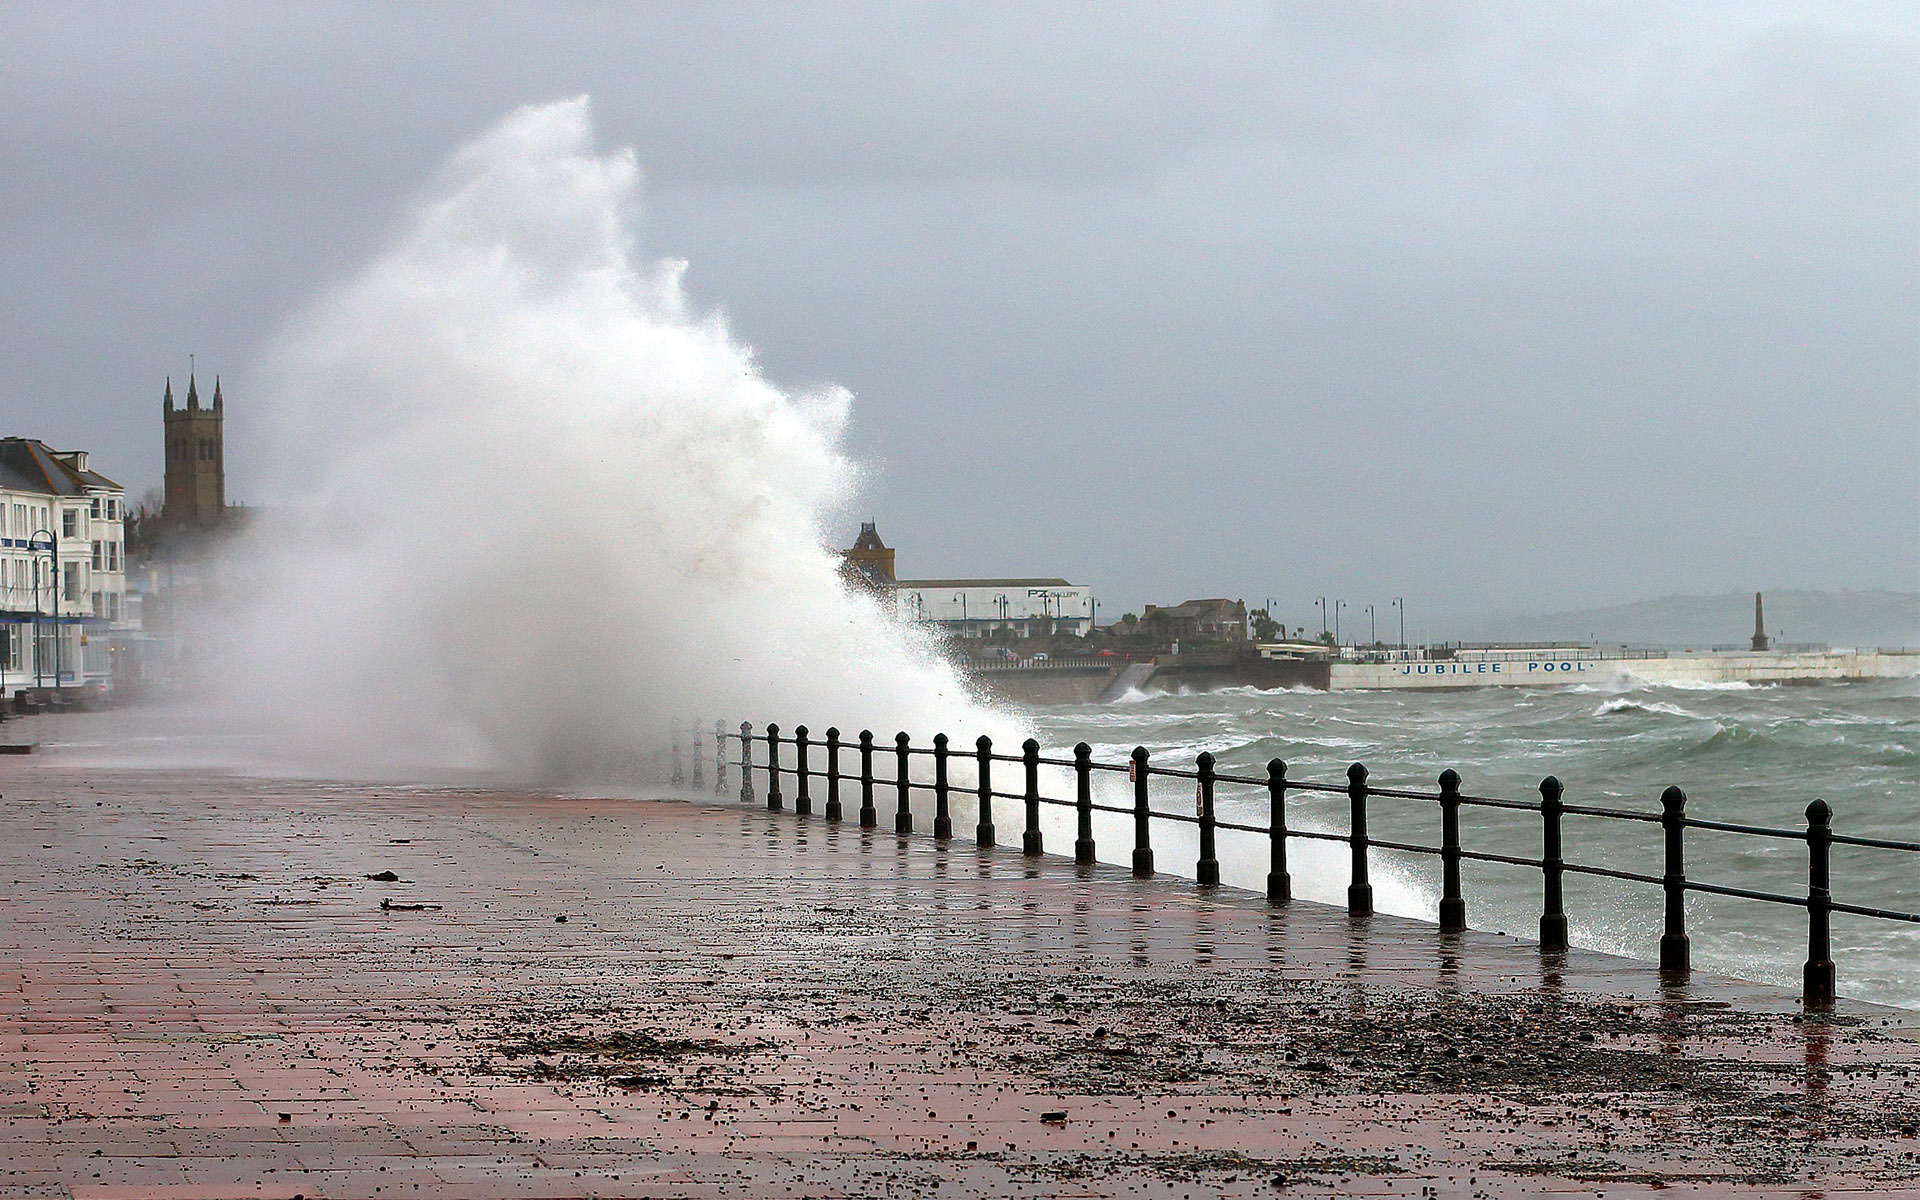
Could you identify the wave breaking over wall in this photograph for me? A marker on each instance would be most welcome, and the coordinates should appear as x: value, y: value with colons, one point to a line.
x: 532, y: 508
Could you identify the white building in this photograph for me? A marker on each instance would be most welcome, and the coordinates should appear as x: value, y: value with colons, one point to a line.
x: 63, y: 580
x: 977, y: 607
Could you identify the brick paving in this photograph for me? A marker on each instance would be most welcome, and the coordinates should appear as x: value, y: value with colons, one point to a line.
x: 202, y: 995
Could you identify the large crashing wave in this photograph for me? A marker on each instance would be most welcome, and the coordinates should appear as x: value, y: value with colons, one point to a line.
x: 536, y: 508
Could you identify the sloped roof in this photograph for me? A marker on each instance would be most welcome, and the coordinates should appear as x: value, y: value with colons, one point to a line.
x: 30, y: 465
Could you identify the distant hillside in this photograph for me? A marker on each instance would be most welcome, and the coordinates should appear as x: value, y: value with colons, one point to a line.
x: 1874, y: 618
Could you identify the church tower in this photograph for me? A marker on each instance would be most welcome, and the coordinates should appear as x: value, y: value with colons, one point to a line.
x: 196, y: 460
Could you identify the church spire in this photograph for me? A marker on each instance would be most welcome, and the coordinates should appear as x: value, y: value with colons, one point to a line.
x: 193, y: 394
x: 216, y: 393
x: 166, y: 405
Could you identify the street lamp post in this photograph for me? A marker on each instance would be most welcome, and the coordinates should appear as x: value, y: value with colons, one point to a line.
x: 52, y: 547
x: 1371, y: 639
x: 1337, y: 606
x: 1401, y: 604
x: 1322, y: 604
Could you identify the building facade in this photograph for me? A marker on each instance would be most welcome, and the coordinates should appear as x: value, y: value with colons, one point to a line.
x: 63, y: 581
x: 974, y: 608
x: 970, y: 608
x: 1218, y: 619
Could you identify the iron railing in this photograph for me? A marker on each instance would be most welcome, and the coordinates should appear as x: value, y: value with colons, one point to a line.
x: 1818, y: 975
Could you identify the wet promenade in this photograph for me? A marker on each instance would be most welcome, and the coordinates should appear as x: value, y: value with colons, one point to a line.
x: 215, y: 987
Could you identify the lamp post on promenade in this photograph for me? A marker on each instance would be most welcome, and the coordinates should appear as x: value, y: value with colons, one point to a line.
x: 52, y: 547
x: 1401, y: 604
x: 1371, y: 639
x: 1337, y: 606
x: 1322, y: 603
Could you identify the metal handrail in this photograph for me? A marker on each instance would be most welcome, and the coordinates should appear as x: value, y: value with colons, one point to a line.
x: 1675, y: 955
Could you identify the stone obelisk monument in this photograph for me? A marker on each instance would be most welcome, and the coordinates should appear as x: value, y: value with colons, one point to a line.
x: 1759, y: 626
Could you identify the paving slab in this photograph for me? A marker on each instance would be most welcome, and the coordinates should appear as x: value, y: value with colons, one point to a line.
x: 202, y: 994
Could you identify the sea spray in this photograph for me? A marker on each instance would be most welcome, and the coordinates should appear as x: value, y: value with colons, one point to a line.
x: 533, y: 508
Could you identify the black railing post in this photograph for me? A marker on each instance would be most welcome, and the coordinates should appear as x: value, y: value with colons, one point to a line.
x: 942, y: 815
x: 679, y: 772
x: 1279, y: 882
x: 1142, y: 817
x: 773, y: 768
x: 699, y: 758
x: 1206, y: 872
x: 1453, y: 905
x: 1553, y: 914
x: 746, y: 762
x: 834, y: 810
x: 719, y: 759
x: 1675, y: 956
x: 802, y: 793
x: 1819, y: 975
x: 983, y: 831
x: 1030, y: 839
x: 1083, y: 803
x: 1359, y: 890
x: 903, y: 816
x: 869, y: 816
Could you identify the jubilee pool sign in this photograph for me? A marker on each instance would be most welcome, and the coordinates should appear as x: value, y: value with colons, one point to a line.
x: 1564, y: 665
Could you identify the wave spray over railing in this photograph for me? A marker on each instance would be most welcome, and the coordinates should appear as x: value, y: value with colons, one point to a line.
x: 530, y: 501
x: 1550, y: 810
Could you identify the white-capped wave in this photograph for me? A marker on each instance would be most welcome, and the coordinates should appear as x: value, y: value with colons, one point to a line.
x: 1628, y: 704
x: 1696, y: 685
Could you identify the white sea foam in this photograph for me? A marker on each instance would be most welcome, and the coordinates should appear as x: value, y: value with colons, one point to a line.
x: 535, y: 506
x: 1696, y: 685
x: 1624, y: 704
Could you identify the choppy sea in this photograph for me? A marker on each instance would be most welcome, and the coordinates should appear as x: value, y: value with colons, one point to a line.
x: 1749, y: 754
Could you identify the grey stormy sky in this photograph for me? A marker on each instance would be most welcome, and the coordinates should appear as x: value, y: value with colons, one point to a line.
x: 1493, y: 307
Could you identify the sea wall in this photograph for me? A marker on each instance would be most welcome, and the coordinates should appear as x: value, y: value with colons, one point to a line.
x: 1045, y: 685
x: 1548, y: 671
x: 1173, y: 674
x: 1064, y: 683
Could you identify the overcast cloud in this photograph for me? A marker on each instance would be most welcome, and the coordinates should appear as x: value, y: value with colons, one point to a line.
x: 1528, y: 306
